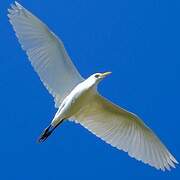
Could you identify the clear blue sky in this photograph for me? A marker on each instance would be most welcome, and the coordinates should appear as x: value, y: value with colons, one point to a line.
x: 138, y: 41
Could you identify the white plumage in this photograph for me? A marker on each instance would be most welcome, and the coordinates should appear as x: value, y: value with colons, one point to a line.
x: 78, y: 99
x: 46, y: 53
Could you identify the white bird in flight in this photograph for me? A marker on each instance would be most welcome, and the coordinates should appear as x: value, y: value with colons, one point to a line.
x: 78, y: 100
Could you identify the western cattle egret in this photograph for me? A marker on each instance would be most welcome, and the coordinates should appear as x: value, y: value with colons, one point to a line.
x: 77, y: 98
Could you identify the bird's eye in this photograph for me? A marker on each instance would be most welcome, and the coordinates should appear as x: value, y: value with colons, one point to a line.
x: 97, y: 76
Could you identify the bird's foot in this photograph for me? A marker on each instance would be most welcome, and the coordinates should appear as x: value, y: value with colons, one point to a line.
x: 46, y: 133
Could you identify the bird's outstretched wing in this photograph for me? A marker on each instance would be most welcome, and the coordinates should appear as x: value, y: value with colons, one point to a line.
x: 124, y: 131
x: 46, y: 53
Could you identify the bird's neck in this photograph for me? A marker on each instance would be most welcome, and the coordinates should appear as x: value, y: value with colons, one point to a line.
x: 90, y: 84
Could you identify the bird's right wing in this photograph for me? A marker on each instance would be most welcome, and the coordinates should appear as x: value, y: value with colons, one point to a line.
x: 125, y: 131
x: 46, y: 53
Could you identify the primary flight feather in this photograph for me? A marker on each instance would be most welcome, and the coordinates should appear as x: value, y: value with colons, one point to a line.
x: 77, y: 99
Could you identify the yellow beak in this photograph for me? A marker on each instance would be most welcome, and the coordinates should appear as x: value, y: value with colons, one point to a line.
x: 105, y: 74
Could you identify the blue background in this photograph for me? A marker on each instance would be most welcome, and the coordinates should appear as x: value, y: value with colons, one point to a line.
x: 138, y: 41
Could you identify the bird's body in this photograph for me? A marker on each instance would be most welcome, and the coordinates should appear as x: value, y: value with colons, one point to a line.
x: 77, y: 99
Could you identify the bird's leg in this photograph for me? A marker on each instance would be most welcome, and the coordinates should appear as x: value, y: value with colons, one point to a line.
x: 47, y: 132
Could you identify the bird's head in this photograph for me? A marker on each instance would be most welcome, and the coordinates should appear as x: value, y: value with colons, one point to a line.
x: 97, y: 77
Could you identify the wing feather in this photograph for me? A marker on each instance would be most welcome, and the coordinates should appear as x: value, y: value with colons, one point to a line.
x: 125, y: 131
x: 46, y: 53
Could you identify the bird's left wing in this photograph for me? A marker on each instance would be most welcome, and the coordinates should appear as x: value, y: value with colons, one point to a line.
x: 125, y: 131
x: 46, y: 53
